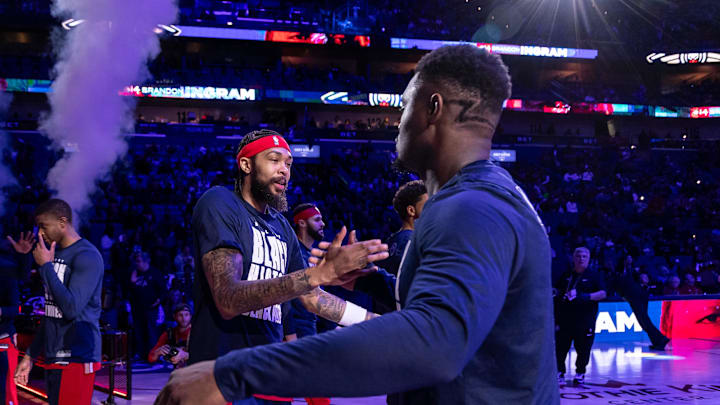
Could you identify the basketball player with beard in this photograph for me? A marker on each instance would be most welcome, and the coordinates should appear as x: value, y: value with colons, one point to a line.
x: 309, y: 228
x: 474, y: 323
x: 251, y: 261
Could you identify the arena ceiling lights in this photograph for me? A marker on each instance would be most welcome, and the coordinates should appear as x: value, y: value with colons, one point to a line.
x: 683, y: 58
x: 161, y: 28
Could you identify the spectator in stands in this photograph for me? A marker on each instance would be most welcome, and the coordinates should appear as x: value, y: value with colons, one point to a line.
x: 645, y: 284
x: 146, y: 291
x: 708, y: 278
x: 673, y: 286
x: 689, y: 288
x: 184, y: 264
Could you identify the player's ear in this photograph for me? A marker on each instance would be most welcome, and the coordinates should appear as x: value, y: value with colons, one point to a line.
x: 435, y: 107
x: 245, y: 165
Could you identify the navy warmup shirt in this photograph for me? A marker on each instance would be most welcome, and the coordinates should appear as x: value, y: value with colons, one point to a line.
x: 70, y: 329
x: 581, y: 313
x: 300, y: 321
x: 476, y: 324
x: 396, y: 247
x: 269, y: 247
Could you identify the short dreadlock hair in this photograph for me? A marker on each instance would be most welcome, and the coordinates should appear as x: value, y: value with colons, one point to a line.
x: 250, y: 137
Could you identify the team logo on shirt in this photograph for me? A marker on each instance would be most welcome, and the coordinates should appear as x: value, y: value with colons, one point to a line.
x: 51, y: 308
x: 269, y: 260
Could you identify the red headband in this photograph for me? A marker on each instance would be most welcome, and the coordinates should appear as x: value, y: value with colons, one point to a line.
x: 306, y: 214
x: 261, y: 145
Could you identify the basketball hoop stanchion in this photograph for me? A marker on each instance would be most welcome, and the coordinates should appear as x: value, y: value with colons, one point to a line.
x: 111, y: 376
x: 112, y: 340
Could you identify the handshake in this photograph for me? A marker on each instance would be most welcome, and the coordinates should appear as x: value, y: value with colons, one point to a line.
x: 337, y: 264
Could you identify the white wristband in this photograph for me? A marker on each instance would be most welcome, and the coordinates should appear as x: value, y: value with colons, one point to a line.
x: 353, y: 314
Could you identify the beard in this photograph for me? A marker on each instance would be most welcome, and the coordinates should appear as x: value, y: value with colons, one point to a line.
x: 261, y: 191
x: 315, y: 234
x: 402, y: 168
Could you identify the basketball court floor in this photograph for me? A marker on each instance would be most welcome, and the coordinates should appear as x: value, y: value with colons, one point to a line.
x: 618, y: 374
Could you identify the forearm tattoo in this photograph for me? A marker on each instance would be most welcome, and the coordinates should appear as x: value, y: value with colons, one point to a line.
x: 325, y: 305
x: 233, y: 296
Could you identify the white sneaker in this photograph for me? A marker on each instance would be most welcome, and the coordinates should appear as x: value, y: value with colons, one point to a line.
x: 579, y: 379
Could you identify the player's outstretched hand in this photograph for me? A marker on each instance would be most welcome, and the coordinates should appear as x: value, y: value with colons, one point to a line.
x: 336, y: 264
x: 24, y: 244
x: 192, y: 385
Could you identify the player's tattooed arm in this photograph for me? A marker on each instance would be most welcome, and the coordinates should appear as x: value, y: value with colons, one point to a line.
x: 324, y: 304
x: 328, y: 306
x: 233, y: 296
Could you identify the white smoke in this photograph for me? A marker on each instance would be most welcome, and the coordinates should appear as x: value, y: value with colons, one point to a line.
x: 97, y: 59
x: 6, y: 176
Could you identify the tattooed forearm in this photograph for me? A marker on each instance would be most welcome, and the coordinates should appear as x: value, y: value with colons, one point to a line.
x: 324, y: 304
x: 233, y: 296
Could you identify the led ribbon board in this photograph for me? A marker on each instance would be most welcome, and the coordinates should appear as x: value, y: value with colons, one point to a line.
x: 334, y: 97
x: 316, y: 38
x: 704, y: 112
x: 25, y: 85
x: 192, y: 92
x: 502, y: 49
x: 371, y: 99
x: 385, y: 100
x: 683, y: 58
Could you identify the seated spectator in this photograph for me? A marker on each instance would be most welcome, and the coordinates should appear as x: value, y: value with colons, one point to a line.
x: 173, y: 343
x: 673, y: 286
x: 709, y: 279
x: 184, y: 265
x: 689, y: 288
x: 645, y: 283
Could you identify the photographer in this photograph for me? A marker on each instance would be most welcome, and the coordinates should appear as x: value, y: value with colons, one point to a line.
x: 172, y: 344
